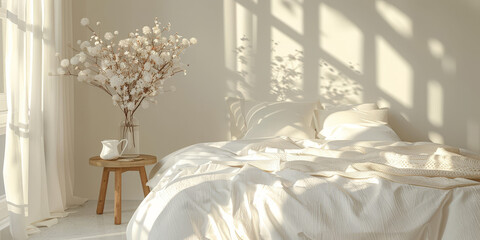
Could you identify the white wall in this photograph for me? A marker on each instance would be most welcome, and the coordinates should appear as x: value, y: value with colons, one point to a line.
x: 420, y: 58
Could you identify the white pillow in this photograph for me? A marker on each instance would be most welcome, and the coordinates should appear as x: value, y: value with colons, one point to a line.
x: 254, y: 119
x: 331, y: 118
x: 269, y: 119
x: 359, y: 132
x: 361, y: 106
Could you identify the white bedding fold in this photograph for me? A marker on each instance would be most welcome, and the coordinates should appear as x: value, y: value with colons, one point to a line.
x: 399, y: 161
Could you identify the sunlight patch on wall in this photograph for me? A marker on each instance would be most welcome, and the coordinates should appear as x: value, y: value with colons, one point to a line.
x: 473, y: 135
x: 246, y: 25
x: 398, y: 20
x: 286, y: 44
x: 336, y: 87
x: 290, y: 12
x: 229, y: 34
x: 394, y: 73
x: 243, y: 49
x: 286, y: 67
x: 435, y: 137
x: 340, y: 37
x: 435, y: 103
x: 436, y: 48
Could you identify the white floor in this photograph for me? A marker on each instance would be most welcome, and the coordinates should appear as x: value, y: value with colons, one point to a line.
x: 84, y: 223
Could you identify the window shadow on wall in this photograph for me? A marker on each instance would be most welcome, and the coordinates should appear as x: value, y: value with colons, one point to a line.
x: 410, y: 56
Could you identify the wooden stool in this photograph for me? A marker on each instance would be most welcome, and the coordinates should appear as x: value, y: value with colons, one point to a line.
x: 119, y: 167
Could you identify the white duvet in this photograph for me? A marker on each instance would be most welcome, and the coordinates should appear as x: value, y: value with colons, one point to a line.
x: 280, y: 188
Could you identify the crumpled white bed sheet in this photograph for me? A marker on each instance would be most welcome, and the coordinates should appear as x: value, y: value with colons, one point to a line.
x: 280, y: 188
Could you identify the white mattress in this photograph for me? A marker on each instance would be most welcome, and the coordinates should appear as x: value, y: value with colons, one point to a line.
x: 284, y: 189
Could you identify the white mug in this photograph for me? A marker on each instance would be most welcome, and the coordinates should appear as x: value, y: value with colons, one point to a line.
x: 110, y: 149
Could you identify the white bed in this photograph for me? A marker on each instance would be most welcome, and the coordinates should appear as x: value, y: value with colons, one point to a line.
x: 358, y: 182
x: 279, y: 188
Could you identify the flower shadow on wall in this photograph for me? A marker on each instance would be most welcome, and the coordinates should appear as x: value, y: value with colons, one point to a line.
x: 336, y: 87
x: 287, y: 75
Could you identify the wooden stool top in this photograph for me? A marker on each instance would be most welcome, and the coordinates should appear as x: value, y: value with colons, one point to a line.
x: 140, y: 161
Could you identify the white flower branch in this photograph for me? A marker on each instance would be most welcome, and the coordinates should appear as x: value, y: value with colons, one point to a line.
x: 130, y: 70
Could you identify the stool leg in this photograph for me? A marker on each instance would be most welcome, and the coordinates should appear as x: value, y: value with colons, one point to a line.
x: 143, y: 178
x: 118, y: 196
x: 103, y: 191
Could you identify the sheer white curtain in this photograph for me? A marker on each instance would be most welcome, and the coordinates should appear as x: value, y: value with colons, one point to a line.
x: 38, y: 168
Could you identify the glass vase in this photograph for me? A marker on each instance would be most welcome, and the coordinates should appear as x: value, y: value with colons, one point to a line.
x: 130, y: 130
